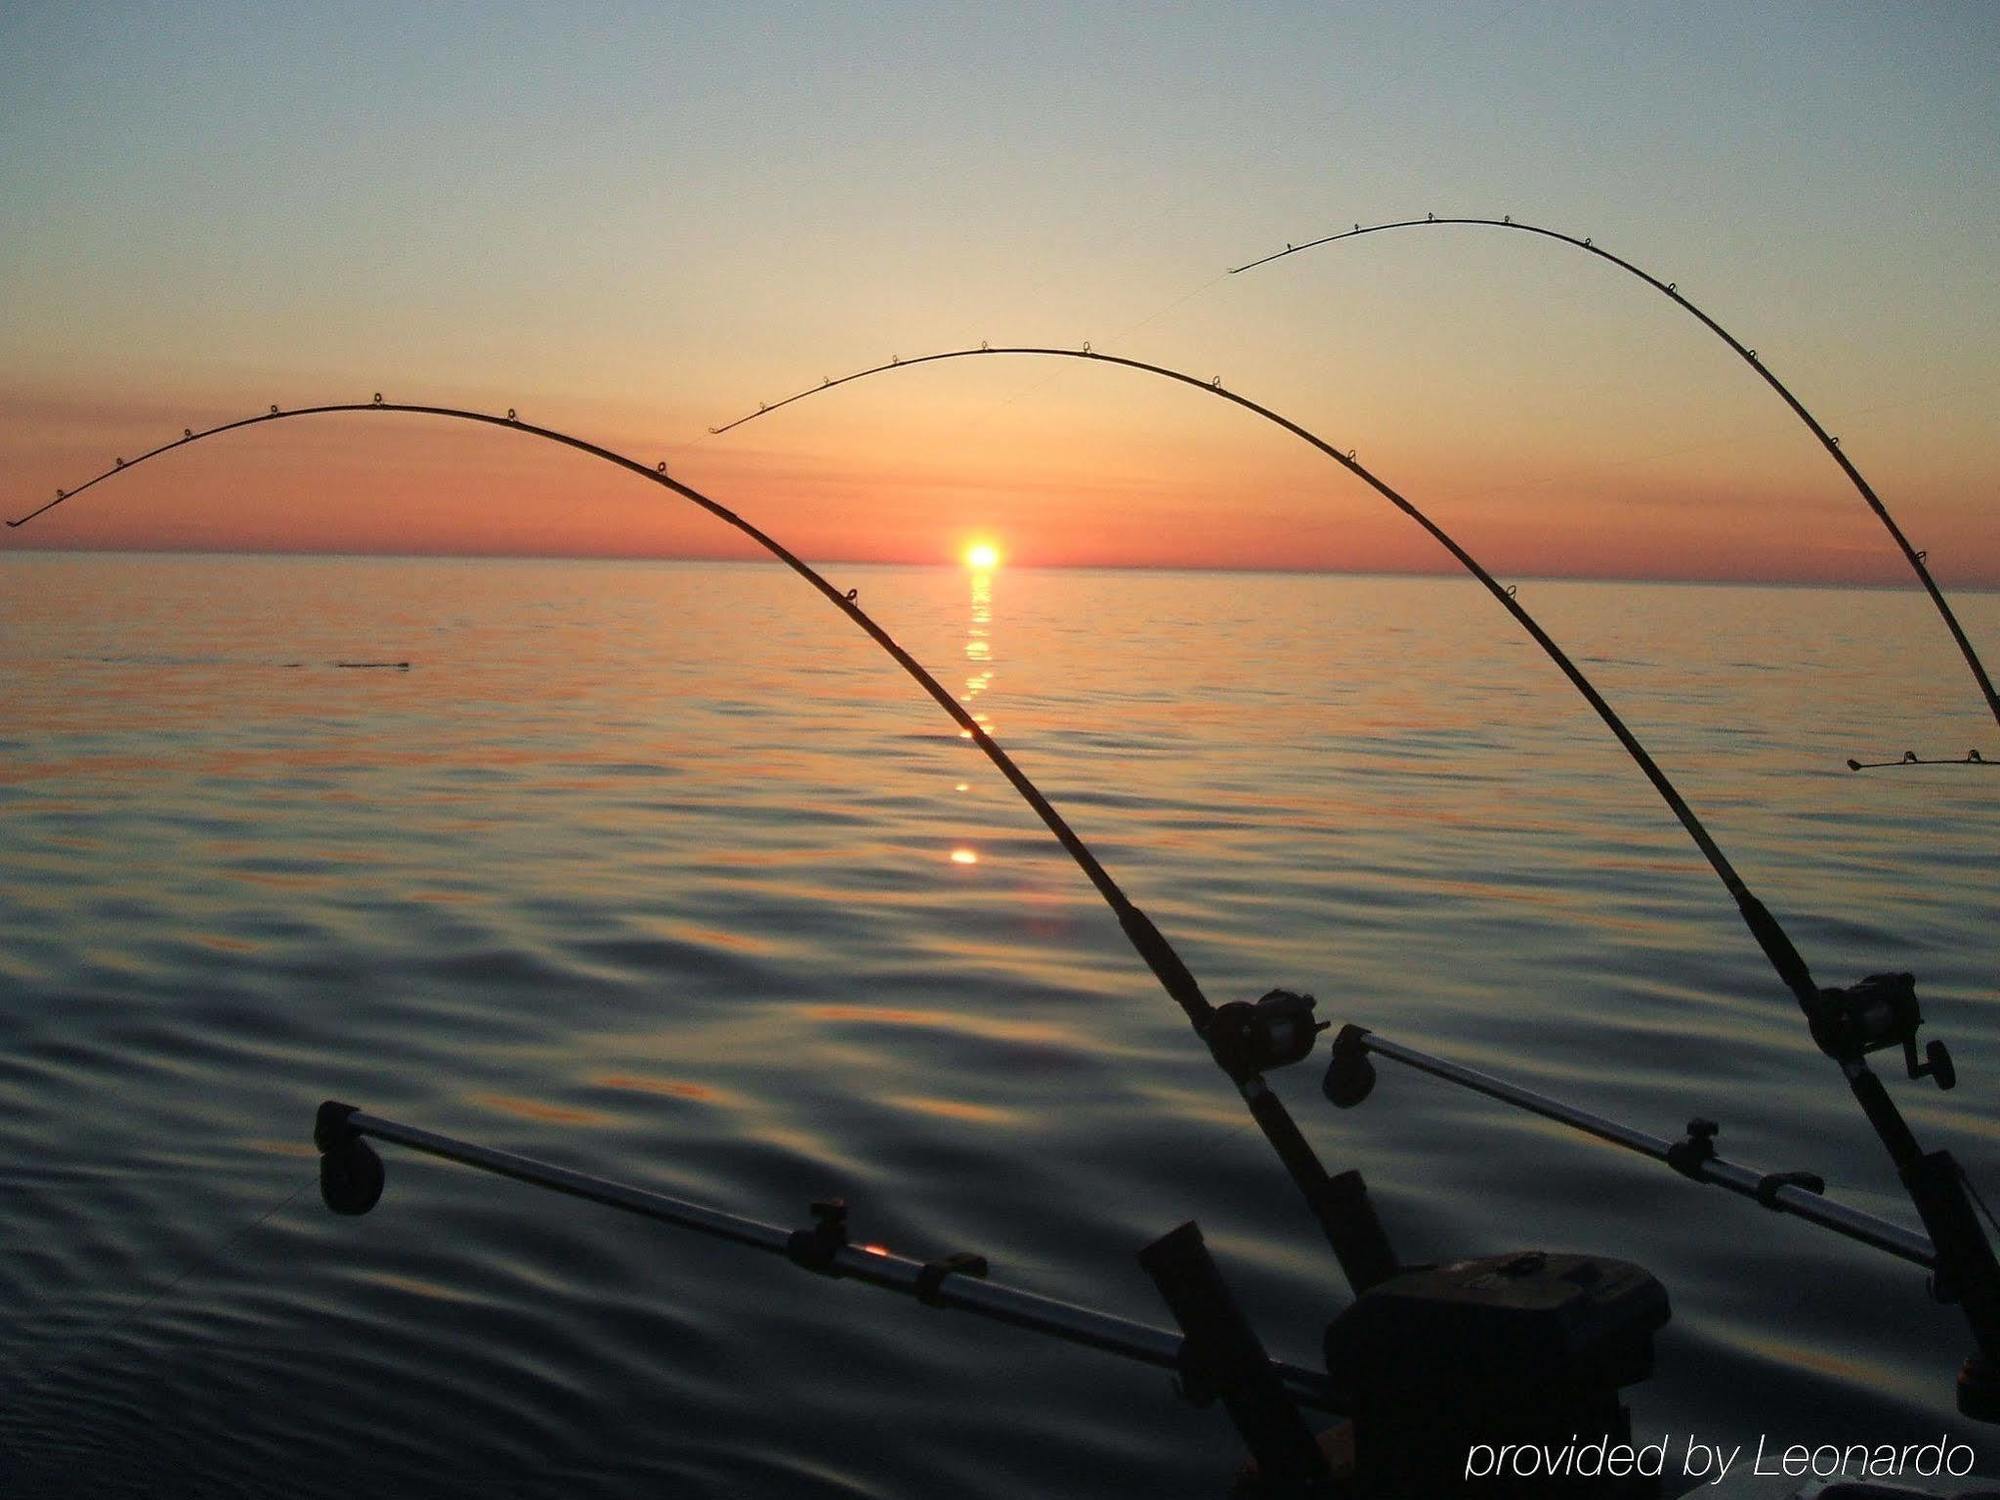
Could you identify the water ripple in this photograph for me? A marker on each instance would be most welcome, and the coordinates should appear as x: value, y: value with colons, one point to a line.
x: 662, y: 908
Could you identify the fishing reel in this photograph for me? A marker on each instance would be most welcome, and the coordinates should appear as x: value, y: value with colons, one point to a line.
x: 1874, y: 1014
x: 1248, y: 1038
x: 351, y: 1175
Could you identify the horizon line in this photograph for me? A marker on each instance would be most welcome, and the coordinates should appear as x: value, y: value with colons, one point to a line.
x: 1886, y: 586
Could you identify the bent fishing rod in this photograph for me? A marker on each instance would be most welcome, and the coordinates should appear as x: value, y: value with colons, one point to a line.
x: 1672, y: 292
x: 1245, y: 1038
x: 1878, y: 1012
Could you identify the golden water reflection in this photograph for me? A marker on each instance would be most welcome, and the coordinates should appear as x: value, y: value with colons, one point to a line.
x: 671, y: 1088
x: 941, y: 1019
x: 979, y: 680
x: 955, y: 1109
x: 537, y: 1110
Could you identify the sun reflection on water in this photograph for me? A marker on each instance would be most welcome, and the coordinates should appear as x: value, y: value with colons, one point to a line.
x: 981, y: 558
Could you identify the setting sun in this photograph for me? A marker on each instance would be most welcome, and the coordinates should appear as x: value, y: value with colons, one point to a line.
x: 982, y: 556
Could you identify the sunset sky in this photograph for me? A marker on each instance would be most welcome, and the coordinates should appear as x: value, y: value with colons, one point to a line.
x: 637, y: 223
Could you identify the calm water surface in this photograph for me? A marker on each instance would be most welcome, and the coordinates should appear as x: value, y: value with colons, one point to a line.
x: 664, y: 872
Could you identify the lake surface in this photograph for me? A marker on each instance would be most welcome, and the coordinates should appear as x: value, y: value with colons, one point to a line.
x: 664, y: 872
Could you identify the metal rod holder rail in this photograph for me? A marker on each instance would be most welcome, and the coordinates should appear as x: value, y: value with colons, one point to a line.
x: 1693, y: 1157
x: 937, y: 1283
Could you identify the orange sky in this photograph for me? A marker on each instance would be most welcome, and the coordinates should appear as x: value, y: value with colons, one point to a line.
x: 1157, y: 478
x: 215, y: 235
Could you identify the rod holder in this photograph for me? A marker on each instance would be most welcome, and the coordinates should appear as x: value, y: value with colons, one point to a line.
x: 957, y: 1282
x: 1790, y: 1192
x: 1223, y: 1357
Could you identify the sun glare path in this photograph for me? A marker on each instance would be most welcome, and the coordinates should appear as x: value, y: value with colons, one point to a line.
x: 982, y: 557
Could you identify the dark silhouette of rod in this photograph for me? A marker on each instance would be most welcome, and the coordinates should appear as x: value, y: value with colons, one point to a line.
x: 1777, y: 946
x: 1911, y: 758
x: 1672, y: 292
x: 1935, y: 1183
x: 1152, y: 945
x: 1340, y: 1214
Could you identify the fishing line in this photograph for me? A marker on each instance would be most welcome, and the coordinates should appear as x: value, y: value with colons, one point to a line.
x: 1154, y: 317
x: 1846, y: 1023
x: 1242, y: 1037
x: 1147, y: 940
x: 92, y: 1337
x: 1777, y: 947
x: 1029, y: 388
x: 1277, y: 1029
x: 1032, y: 386
x: 1672, y: 292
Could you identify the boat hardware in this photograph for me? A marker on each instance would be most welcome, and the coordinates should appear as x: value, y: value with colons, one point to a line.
x: 1531, y: 1343
x: 1911, y: 758
x: 1534, y: 1345
x: 1935, y: 1183
x: 1222, y: 1357
x: 1269, y: 1033
x: 1915, y: 557
x: 1956, y: 1251
x: 1877, y: 1012
x: 1340, y: 1205
x: 1350, y: 1078
x: 352, y: 1177
x: 1770, y: 936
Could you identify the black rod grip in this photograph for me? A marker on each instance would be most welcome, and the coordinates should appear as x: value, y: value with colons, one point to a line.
x: 1223, y: 1355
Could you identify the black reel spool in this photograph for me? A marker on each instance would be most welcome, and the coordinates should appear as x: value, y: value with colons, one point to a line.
x: 1874, y: 1014
x: 1248, y: 1038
